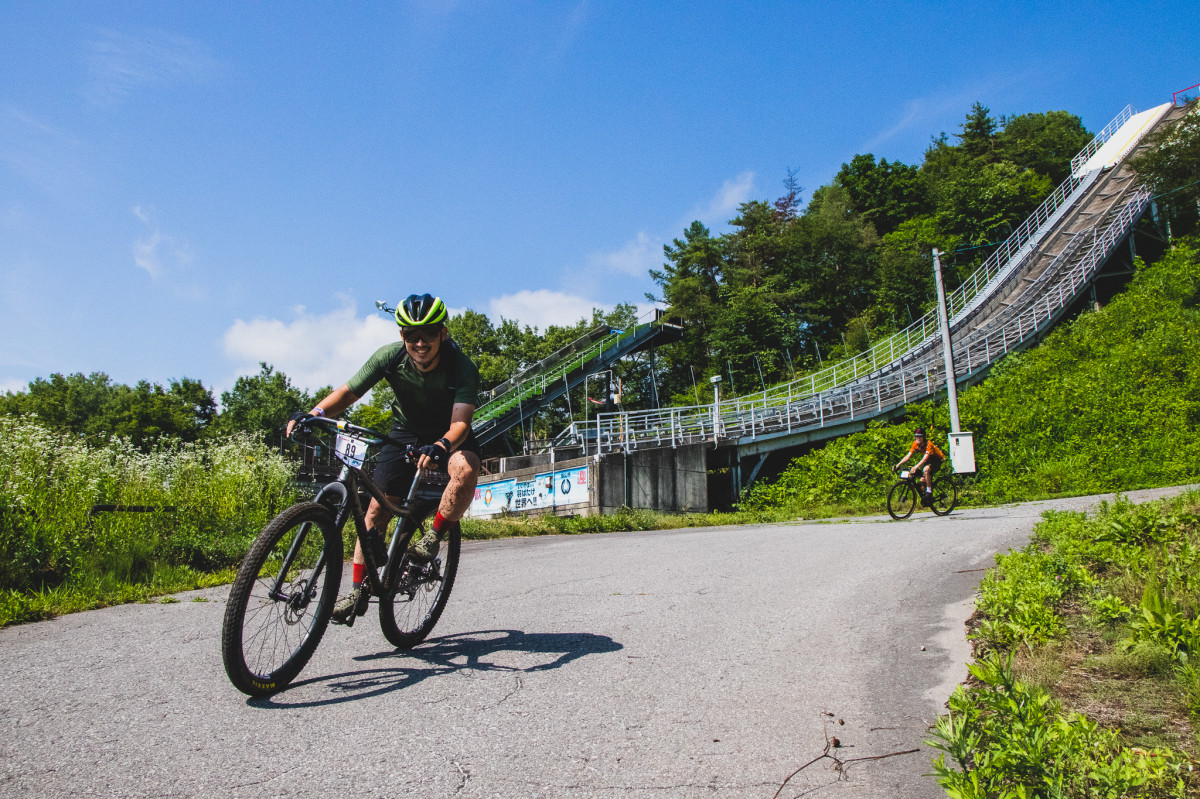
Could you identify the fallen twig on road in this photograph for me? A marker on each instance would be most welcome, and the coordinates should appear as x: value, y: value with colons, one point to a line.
x: 839, y: 763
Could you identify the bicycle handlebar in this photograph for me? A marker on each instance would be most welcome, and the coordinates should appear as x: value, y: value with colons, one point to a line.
x: 304, y: 428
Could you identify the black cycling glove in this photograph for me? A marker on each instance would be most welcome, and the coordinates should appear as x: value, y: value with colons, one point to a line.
x: 300, y: 418
x: 435, y: 453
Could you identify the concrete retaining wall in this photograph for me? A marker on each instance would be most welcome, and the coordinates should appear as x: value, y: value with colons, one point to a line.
x: 671, y: 480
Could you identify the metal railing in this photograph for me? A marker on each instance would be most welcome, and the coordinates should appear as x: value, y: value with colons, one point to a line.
x: 1101, y: 138
x: 526, y: 386
x: 749, y: 417
x: 1005, y: 260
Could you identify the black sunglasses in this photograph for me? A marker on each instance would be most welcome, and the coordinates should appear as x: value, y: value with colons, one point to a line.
x: 415, y: 334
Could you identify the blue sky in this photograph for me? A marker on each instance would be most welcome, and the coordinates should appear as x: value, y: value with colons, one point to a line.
x: 187, y: 189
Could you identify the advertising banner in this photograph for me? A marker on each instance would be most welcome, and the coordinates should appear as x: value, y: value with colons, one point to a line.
x: 546, y: 490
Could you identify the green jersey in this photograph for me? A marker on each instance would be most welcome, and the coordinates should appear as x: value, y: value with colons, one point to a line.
x: 423, y: 400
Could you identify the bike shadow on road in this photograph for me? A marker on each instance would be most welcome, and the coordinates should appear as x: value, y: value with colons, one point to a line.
x: 481, y: 651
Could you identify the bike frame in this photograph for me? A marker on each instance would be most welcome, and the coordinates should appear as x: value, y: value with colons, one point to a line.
x: 348, y: 504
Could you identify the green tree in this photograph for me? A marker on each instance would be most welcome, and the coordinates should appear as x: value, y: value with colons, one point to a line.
x: 690, y: 283
x: 906, y: 286
x: 96, y: 406
x: 261, y: 403
x: 757, y: 317
x: 67, y: 402
x: 984, y: 205
x: 474, y: 333
x: 147, y: 413
x: 1045, y: 143
x: 831, y: 266
x: 885, y: 194
x: 978, y: 137
x: 1170, y: 166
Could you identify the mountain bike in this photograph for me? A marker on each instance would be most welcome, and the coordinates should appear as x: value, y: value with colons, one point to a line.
x: 904, y: 496
x: 281, y: 600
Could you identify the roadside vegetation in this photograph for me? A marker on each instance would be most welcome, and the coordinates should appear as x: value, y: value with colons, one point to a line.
x: 85, y: 524
x: 1086, y: 681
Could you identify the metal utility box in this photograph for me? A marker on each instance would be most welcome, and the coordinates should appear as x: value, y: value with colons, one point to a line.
x: 962, y: 452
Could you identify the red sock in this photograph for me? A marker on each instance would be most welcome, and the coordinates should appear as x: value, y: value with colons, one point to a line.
x: 439, y: 522
x: 359, y: 572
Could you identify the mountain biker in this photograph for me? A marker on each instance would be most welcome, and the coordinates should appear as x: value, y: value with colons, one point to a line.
x: 436, y: 387
x: 931, y: 459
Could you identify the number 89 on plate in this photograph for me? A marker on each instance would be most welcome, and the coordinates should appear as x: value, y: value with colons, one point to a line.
x: 351, y: 450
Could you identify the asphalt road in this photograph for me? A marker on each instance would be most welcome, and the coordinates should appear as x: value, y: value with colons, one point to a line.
x: 697, y: 663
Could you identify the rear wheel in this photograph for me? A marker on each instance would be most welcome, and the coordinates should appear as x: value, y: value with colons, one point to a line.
x: 416, y: 593
x: 945, y: 494
x: 281, y: 599
x: 902, y: 499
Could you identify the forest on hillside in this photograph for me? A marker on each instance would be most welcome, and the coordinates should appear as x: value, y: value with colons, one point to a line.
x: 791, y: 286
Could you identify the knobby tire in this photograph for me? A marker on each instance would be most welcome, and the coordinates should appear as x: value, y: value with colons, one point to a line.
x: 266, y: 641
x: 416, y: 594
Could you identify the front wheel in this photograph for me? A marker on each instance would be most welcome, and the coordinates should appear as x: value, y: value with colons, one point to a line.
x: 945, y: 495
x: 281, y: 599
x: 416, y: 593
x: 902, y: 499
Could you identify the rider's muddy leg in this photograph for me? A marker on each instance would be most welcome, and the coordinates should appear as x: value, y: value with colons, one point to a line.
x: 463, y: 468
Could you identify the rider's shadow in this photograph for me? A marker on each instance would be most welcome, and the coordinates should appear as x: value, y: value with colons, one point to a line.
x: 482, y: 651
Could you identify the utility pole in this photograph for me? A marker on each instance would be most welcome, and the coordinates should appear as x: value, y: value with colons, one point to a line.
x: 947, y: 352
x: 962, y: 442
x: 716, y: 384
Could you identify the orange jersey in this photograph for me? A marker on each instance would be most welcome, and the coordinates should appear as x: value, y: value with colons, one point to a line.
x: 930, y: 448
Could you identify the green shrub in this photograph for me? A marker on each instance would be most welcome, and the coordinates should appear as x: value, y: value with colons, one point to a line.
x: 1006, y: 739
x: 209, y: 500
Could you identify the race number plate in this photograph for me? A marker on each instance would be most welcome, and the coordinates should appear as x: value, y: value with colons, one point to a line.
x: 353, y: 451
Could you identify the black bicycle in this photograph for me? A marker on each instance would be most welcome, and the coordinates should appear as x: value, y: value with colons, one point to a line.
x: 908, y: 492
x: 281, y: 600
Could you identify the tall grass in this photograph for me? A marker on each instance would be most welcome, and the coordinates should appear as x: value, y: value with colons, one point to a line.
x: 202, y: 506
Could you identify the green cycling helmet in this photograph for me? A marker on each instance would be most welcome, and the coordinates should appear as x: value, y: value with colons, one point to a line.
x: 421, y: 310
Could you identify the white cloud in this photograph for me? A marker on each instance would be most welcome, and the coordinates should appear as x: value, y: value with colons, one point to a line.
x: 49, y: 159
x: 14, y: 385
x: 542, y: 308
x: 924, y: 113
x: 121, y: 63
x: 145, y: 254
x: 635, y: 258
x: 150, y: 251
x: 570, y: 30
x: 722, y: 206
x: 645, y: 251
x: 312, y: 350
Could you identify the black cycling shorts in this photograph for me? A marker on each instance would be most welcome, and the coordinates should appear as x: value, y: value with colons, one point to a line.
x: 394, y: 473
